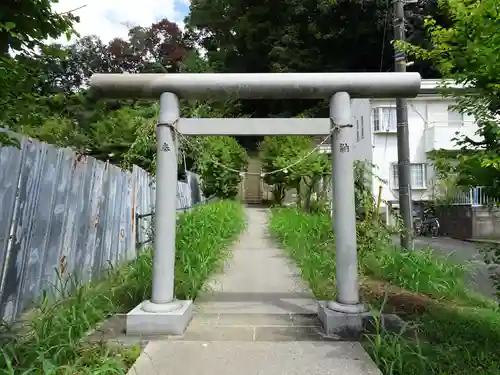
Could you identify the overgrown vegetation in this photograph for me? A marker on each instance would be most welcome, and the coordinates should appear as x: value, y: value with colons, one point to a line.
x: 454, y: 330
x: 292, y: 162
x: 465, y: 51
x: 51, y: 342
x: 219, y: 161
x: 44, y: 95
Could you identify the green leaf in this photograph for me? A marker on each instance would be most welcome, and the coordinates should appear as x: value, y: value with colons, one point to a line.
x: 9, y: 26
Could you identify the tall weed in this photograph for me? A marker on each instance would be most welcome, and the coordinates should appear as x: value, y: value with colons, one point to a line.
x: 456, y: 334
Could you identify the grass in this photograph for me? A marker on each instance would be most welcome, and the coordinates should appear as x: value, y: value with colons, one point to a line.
x: 454, y: 330
x: 51, y: 342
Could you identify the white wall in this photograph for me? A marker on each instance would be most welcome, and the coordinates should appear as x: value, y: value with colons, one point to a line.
x: 361, y: 130
x: 428, y: 129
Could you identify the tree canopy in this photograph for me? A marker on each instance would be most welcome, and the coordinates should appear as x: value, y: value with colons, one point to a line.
x: 44, y: 86
x: 466, y: 51
x: 303, y: 36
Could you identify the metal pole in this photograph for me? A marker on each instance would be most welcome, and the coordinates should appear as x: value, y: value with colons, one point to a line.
x: 344, y: 213
x: 162, y: 298
x: 404, y: 172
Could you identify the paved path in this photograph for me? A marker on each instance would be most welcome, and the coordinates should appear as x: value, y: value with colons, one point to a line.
x: 259, y: 319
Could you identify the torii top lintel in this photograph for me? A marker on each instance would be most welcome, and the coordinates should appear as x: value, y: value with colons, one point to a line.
x: 256, y: 85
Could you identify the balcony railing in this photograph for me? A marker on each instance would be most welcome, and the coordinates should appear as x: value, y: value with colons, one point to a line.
x: 453, y: 124
x: 474, y: 197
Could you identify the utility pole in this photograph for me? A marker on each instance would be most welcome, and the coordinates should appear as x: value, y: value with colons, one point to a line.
x: 404, y: 171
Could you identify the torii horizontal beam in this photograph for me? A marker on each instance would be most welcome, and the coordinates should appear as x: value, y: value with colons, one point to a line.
x: 254, y: 126
x: 256, y: 85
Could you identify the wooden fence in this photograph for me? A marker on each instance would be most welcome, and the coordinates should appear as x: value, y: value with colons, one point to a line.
x: 59, y: 209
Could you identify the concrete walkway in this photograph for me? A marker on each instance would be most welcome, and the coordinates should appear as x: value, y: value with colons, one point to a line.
x: 258, y: 319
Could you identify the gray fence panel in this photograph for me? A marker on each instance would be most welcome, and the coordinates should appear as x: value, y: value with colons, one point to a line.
x: 34, y: 153
x: 10, y: 165
x: 146, y: 208
x: 99, y: 263
x: 150, y: 199
x: 182, y: 198
x: 139, y: 205
x: 143, y: 207
x: 90, y: 248
x: 52, y: 264
x: 107, y: 259
x: 75, y: 204
x: 125, y: 243
x: 69, y: 215
x: 152, y: 182
x: 121, y: 220
x: 194, y: 187
x: 127, y: 229
x: 132, y: 217
x: 83, y: 222
x: 115, y: 234
x: 130, y: 231
x: 42, y: 221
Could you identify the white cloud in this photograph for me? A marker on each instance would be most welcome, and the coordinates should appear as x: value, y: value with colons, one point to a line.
x: 107, y: 18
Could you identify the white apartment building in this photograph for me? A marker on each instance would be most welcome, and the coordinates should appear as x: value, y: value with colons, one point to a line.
x: 432, y: 123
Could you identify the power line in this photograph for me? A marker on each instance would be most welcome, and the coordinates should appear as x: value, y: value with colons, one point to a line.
x: 73, y: 10
x: 383, y: 36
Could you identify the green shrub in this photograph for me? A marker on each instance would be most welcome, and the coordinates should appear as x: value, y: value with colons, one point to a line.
x: 283, y: 154
x: 51, y: 341
x: 218, y: 160
x: 310, y: 241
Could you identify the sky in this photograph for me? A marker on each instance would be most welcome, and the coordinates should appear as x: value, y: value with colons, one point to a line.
x: 108, y: 18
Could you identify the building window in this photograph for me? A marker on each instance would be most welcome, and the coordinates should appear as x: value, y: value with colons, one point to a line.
x: 358, y: 133
x: 384, y: 119
x: 455, y: 118
x: 418, y: 176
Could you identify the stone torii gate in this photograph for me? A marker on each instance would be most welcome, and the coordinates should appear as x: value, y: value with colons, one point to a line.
x: 163, y: 314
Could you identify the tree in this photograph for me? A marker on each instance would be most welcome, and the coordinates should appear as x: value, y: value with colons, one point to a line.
x: 218, y: 161
x: 301, y: 36
x: 467, y: 52
x: 26, y: 24
x: 292, y: 163
x: 277, y: 154
x: 314, y: 167
x: 45, y: 94
x: 158, y: 48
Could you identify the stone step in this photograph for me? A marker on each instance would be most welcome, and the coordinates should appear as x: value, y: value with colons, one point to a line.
x: 254, y: 358
x: 222, y: 327
x: 253, y: 327
x: 255, y: 320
